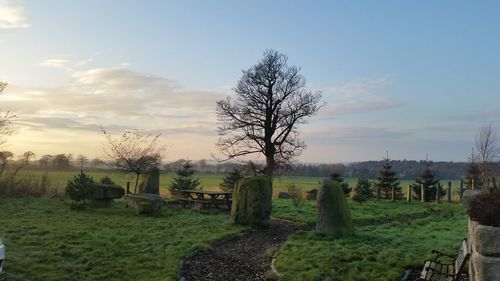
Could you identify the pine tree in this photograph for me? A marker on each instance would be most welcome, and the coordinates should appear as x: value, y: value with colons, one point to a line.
x: 231, y: 179
x: 387, y: 179
x: 184, y: 179
x: 362, y: 191
x: 335, y: 176
x: 430, y: 183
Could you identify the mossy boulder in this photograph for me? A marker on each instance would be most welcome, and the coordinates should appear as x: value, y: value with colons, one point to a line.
x: 105, y: 193
x: 150, y: 182
x: 252, y: 201
x: 334, y: 216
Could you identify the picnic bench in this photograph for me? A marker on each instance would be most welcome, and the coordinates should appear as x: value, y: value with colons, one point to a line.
x: 436, y: 269
x: 205, y: 198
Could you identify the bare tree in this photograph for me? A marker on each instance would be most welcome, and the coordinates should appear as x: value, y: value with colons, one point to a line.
x: 4, y: 156
x: 96, y: 162
x: 26, y: 157
x: 134, y: 151
x: 45, y: 160
x: 488, y: 150
x: 82, y: 159
x: 271, y: 101
x: 6, y: 126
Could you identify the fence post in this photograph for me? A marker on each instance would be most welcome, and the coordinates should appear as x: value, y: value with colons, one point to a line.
x: 393, y: 194
x: 378, y: 192
x: 437, y: 193
x: 408, y: 198
x: 448, y: 195
x: 461, y: 191
x: 128, y: 187
x: 422, y: 193
x: 473, y: 184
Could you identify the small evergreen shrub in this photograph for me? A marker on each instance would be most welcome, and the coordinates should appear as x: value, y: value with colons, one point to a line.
x: 231, y: 180
x: 362, y: 191
x: 106, y: 180
x: 184, y: 179
x: 335, y: 176
x: 485, y: 208
x: 80, y: 188
x: 295, y: 194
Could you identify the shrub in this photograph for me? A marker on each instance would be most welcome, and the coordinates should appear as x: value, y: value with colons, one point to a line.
x: 362, y: 190
x: 335, y: 176
x: 184, y: 179
x: 13, y: 185
x: 485, y: 208
x: 106, y: 180
x: 80, y: 188
x: 231, y: 180
x: 295, y: 194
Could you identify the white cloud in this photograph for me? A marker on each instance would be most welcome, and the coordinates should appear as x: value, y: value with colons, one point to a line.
x: 57, y: 63
x: 358, y: 97
x: 116, y: 97
x: 12, y: 15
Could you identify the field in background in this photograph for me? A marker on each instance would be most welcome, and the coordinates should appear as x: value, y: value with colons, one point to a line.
x: 59, y: 178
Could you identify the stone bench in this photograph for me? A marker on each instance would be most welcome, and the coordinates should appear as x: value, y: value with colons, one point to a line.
x: 104, y: 194
x: 144, y: 203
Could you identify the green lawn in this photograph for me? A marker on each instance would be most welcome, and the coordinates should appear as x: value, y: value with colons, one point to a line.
x: 371, y: 212
x: 376, y: 251
x: 45, y: 240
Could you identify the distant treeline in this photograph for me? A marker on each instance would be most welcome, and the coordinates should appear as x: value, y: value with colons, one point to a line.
x: 406, y: 169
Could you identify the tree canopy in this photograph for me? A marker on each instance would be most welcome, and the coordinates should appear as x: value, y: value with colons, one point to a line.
x: 271, y: 101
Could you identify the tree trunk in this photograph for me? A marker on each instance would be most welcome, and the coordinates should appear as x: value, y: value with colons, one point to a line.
x: 269, y: 169
x: 136, y: 182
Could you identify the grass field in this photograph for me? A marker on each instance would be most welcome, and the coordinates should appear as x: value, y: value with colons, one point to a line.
x: 371, y: 212
x: 377, y: 252
x: 45, y: 240
x: 59, y: 178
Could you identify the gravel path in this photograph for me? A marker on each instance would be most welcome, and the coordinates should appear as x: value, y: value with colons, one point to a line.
x: 247, y: 257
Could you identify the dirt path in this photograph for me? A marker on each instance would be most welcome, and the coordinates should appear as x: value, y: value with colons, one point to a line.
x: 247, y: 257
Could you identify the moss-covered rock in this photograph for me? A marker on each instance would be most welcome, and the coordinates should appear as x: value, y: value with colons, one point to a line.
x: 252, y: 201
x: 105, y: 193
x: 334, y: 216
x: 150, y: 182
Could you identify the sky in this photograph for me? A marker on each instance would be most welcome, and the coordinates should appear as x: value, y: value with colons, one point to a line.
x: 415, y: 78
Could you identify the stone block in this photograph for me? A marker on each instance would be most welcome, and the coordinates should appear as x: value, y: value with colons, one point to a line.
x: 144, y: 203
x: 469, y: 195
x: 284, y: 195
x: 485, y: 239
x: 252, y: 201
x: 484, y: 268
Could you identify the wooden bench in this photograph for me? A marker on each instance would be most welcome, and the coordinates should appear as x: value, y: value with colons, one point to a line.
x: 437, y: 270
x: 206, y: 203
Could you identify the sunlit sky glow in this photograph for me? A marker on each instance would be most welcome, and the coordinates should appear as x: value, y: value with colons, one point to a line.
x: 411, y: 77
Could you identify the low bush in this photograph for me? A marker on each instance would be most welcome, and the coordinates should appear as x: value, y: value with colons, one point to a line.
x: 485, y: 208
x: 80, y: 188
x: 296, y: 194
x: 106, y: 180
x: 14, y: 185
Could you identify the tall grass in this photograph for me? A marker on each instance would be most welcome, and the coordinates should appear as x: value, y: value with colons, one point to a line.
x: 13, y: 184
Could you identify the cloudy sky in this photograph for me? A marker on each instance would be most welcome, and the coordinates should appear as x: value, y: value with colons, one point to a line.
x: 411, y: 77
